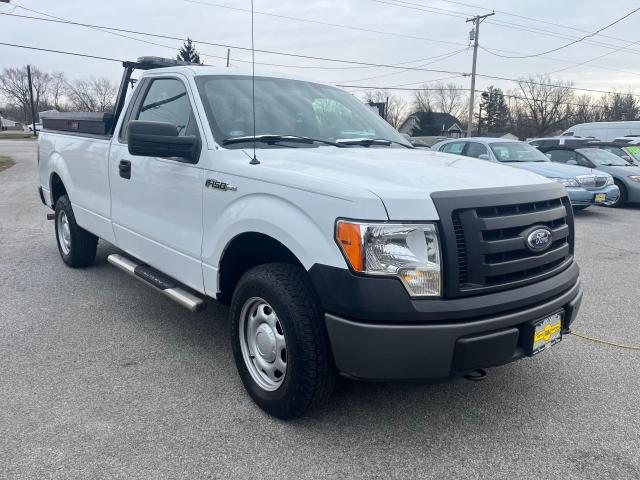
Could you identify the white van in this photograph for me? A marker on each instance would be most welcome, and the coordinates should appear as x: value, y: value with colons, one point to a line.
x: 605, y: 131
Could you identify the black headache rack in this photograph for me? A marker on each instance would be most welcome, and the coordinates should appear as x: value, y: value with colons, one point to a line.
x: 103, y: 123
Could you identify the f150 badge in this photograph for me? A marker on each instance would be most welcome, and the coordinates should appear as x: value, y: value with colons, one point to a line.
x: 211, y: 183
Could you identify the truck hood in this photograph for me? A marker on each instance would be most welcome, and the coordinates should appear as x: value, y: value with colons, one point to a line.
x: 403, y: 179
x: 553, y: 169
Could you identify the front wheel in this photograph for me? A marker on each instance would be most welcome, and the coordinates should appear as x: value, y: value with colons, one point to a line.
x: 622, y: 199
x: 279, y: 340
x: 77, y: 246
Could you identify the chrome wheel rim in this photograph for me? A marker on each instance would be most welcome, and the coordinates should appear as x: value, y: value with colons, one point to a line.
x: 263, y: 344
x: 64, y: 233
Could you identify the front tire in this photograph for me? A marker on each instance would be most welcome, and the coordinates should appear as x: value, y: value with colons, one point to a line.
x: 77, y: 247
x: 279, y: 340
x: 622, y: 199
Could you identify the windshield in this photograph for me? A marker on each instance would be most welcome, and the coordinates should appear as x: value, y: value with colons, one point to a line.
x: 602, y: 157
x: 517, y: 152
x: 289, y: 107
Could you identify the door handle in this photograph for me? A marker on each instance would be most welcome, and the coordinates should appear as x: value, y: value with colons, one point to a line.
x: 124, y: 167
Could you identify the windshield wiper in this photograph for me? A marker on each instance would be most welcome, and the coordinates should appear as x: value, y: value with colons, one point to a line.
x: 277, y: 139
x: 367, y: 142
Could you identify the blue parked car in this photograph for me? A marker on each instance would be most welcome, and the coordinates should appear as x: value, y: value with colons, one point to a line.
x: 585, y: 186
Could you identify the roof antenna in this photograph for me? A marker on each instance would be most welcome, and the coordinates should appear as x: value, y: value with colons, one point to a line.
x: 254, y: 160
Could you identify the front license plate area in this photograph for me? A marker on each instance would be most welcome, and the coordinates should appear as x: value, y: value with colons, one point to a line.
x: 600, y: 197
x: 546, y: 332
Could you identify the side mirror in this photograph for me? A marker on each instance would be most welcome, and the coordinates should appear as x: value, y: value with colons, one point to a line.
x: 548, y: 155
x: 160, y: 139
x: 483, y: 156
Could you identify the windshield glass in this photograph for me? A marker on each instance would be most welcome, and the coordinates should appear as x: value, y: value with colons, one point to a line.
x: 602, y: 157
x: 288, y: 107
x: 517, y: 152
x: 634, y: 150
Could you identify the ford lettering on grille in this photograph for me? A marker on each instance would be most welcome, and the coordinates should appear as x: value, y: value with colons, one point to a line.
x: 539, y: 240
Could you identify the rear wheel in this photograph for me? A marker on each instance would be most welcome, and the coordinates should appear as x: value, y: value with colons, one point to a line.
x: 279, y: 340
x: 77, y: 247
x: 622, y: 199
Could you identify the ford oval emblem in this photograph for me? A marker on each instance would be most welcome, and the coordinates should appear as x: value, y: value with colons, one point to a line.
x: 539, y: 239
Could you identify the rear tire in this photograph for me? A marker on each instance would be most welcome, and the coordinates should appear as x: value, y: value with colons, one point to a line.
x: 622, y: 199
x: 77, y: 247
x: 279, y: 340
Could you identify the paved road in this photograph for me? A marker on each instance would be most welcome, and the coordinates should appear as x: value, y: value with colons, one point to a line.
x: 102, y: 377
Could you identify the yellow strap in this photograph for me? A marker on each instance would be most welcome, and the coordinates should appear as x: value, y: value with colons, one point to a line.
x: 597, y: 340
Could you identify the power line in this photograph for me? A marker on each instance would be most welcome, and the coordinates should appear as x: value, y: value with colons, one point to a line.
x: 318, y: 22
x: 524, y: 17
x: 561, y: 47
x: 28, y: 47
x: 511, y: 25
x: 438, y: 58
x: 310, y: 57
x: 579, y: 64
x: 311, y: 67
x: 435, y: 10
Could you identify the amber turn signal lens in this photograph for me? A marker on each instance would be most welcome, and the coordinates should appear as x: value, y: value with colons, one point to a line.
x: 350, y: 240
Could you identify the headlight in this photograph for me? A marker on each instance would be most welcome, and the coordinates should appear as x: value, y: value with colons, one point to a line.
x: 609, y: 181
x: 634, y: 178
x: 567, y: 182
x: 410, y: 252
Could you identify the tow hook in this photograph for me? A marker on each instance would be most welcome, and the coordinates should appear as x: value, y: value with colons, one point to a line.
x: 476, y: 375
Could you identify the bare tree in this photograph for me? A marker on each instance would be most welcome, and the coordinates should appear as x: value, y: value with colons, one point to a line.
x: 92, y: 95
x: 444, y: 98
x: 14, y: 85
x: 396, y: 109
x: 545, y: 101
x: 584, y: 109
x: 58, y: 89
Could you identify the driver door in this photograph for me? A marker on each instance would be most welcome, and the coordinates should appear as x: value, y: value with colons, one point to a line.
x: 157, y: 202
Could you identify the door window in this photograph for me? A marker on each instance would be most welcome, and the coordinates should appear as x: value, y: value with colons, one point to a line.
x: 167, y: 101
x: 475, y: 150
x: 454, y: 147
x: 562, y: 156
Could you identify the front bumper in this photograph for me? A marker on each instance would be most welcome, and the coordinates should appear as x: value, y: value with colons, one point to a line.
x: 378, y: 334
x: 371, y: 351
x: 582, y: 196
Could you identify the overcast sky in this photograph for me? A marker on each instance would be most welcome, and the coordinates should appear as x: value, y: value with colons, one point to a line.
x: 438, y: 35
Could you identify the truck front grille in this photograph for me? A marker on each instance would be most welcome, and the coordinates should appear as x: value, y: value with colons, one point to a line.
x: 487, y: 248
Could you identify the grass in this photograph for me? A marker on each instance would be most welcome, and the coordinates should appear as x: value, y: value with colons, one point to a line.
x: 16, y: 136
x: 6, y: 162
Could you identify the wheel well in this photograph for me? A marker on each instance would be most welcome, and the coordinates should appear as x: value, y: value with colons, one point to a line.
x: 57, y: 188
x: 244, y: 252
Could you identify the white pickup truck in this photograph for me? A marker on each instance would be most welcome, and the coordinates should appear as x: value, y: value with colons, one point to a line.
x: 339, y: 248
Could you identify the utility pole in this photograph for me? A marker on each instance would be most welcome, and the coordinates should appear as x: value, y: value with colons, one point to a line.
x: 477, y: 20
x: 228, y: 55
x: 33, y: 108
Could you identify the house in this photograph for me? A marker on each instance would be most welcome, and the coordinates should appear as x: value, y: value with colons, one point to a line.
x: 448, y: 124
x: 9, y: 124
x: 507, y: 135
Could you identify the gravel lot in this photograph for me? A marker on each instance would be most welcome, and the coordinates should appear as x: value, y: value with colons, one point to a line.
x: 103, y: 377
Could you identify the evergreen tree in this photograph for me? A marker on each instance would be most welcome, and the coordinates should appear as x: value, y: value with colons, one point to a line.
x: 425, y: 125
x: 495, y: 112
x: 188, y: 52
